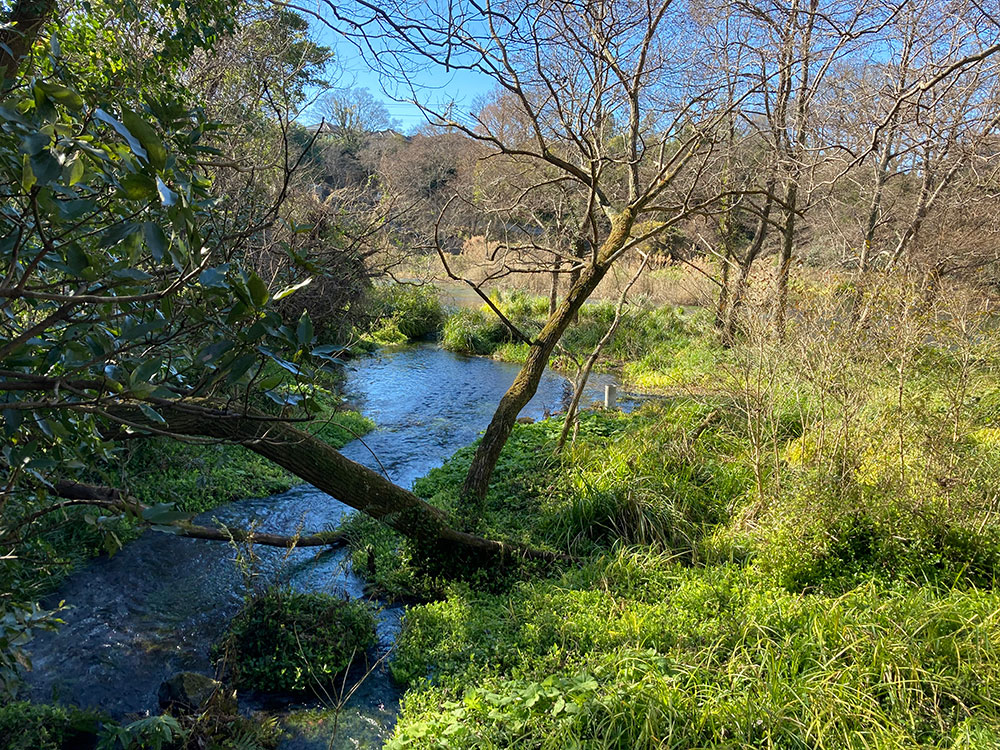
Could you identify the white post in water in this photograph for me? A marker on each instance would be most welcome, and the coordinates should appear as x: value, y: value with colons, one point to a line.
x: 610, y: 396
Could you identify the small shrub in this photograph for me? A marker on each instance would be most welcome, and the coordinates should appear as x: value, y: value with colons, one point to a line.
x: 474, y: 332
x: 37, y: 726
x: 151, y: 733
x: 402, y: 313
x: 283, y: 641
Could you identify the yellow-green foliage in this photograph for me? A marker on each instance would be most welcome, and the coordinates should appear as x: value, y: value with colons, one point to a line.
x: 801, y: 580
x: 653, y: 344
x: 685, y: 367
x: 402, y: 313
x: 638, y: 651
x: 800, y: 550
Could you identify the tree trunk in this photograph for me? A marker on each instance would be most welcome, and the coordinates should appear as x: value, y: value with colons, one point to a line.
x: 19, y: 32
x: 355, y: 485
x: 875, y: 207
x: 581, y: 249
x: 723, y: 303
x: 519, y: 394
x: 554, y: 289
x: 785, y: 263
x: 738, y: 291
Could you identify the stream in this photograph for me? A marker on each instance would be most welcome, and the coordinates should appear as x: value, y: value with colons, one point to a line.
x: 156, y: 607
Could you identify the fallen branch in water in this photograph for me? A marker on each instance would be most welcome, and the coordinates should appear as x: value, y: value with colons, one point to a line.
x: 78, y: 494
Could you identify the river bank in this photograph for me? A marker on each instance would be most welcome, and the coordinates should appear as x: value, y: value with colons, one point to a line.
x: 155, y: 607
x: 796, y: 548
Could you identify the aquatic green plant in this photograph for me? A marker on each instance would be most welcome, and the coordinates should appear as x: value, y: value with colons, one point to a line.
x: 287, y: 641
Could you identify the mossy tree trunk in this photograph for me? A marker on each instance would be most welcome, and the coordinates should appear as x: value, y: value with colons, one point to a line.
x: 312, y: 460
x: 526, y: 383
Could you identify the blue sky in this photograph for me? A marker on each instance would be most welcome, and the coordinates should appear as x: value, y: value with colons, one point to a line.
x: 351, y: 71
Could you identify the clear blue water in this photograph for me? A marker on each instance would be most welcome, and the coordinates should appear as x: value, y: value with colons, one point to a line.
x: 155, y: 607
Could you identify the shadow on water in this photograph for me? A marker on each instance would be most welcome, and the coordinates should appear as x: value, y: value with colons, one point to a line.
x: 156, y: 607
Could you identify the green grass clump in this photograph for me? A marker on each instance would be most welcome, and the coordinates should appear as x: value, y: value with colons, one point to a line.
x: 474, y: 332
x: 282, y: 641
x: 830, y: 531
x: 481, y: 331
x: 629, y: 478
x: 37, y: 726
x: 641, y: 329
x: 403, y: 312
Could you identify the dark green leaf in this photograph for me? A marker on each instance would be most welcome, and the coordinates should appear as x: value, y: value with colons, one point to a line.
x: 133, y: 142
x: 214, y: 278
x: 144, y: 373
x: 240, y: 367
x: 144, y: 132
x: 305, y: 329
x: 45, y: 167
x: 155, y: 239
x: 258, y: 290
x: 35, y: 143
x: 61, y: 94
x: 138, y: 187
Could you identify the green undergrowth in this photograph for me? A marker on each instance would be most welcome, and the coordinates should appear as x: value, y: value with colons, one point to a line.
x: 638, y: 651
x: 283, y: 641
x: 399, y: 314
x: 654, y: 348
x: 35, y: 726
x: 747, y: 578
x: 627, y: 477
x: 218, y: 726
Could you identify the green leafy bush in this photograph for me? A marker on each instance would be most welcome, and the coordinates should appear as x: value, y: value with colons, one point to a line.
x: 37, y: 726
x: 151, y: 733
x: 403, y: 312
x: 474, y: 332
x: 287, y: 641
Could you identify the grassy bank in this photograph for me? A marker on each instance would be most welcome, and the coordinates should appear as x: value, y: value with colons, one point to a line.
x: 700, y: 619
x: 796, y: 549
x: 400, y: 314
x: 654, y: 348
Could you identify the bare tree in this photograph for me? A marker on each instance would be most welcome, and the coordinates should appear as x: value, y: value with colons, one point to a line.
x: 613, y: 100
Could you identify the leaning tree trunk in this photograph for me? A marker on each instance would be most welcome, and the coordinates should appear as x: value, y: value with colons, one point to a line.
x: 311, y: 459
x: 519, y: 394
